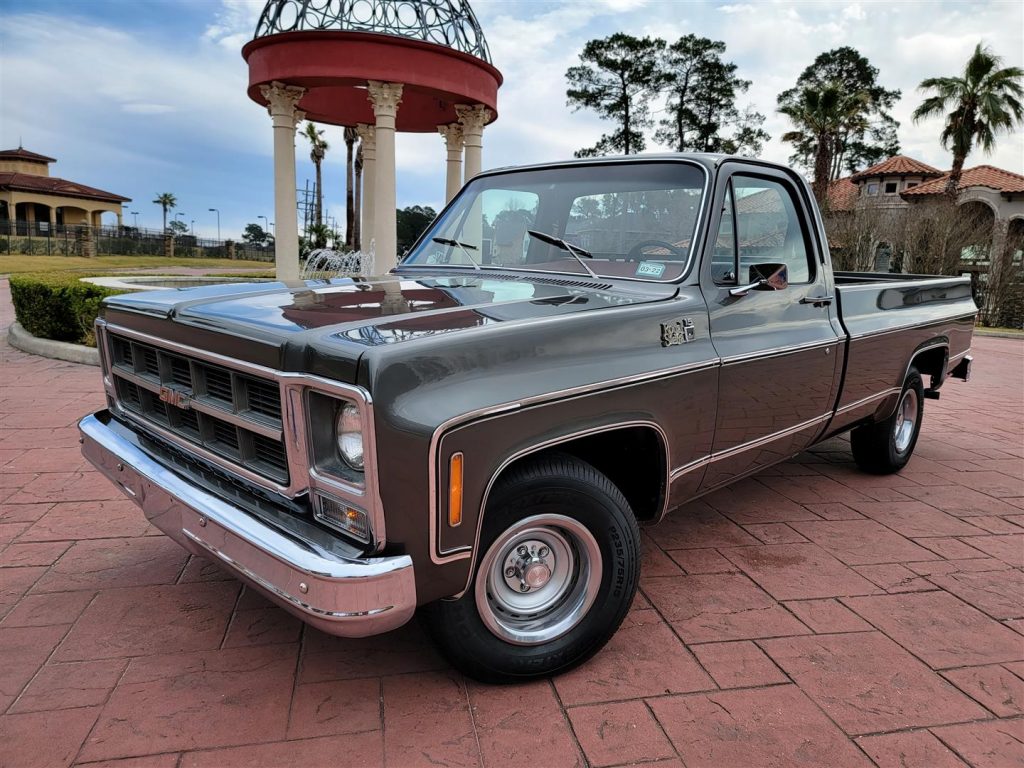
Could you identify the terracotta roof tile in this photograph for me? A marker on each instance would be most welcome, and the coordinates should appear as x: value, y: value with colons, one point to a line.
x: 842, y: 194
x: 24, y: 182
x: 979, y: 176
x: 897, y: 165
x: 24, y: 154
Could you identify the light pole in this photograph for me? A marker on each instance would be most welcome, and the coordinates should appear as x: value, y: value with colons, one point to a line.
x: 192, y: 228
x: 217, y: 211
x: 135, y: 214
x: 265, y: 221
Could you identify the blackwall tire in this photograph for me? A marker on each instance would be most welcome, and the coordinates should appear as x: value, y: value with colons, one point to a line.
x: 556, y: 571
x: 885, y: 447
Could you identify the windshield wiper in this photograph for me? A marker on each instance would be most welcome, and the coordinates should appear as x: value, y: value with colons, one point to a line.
x: 464, y: 246
x: 573, y: 250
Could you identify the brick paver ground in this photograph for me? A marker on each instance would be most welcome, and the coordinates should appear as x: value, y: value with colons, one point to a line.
x: 811, y: 616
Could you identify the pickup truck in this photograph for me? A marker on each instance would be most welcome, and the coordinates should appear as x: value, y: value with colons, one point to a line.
x: 570, y: 351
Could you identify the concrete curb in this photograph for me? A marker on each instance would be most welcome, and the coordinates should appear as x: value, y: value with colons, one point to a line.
x: 998, y: 334
x: 21, y: 339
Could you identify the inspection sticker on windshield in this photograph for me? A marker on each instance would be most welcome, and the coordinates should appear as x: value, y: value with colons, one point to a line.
x: 650, y: 269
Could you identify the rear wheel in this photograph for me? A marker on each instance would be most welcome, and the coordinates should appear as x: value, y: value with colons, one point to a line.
x: 558, y: 569
x: 886, y: 446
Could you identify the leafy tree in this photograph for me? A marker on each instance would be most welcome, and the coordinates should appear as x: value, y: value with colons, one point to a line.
x: 254, y: 234
x: 869, y: 135
x: 318, y: 147
x: 982, y: 102
x: 166, y: 201
x: 177, y: 227
x: 821, y: 116
x: 702, y: 91
x: 411, y: 223
x: 748, y: 136
x: 616, y: 78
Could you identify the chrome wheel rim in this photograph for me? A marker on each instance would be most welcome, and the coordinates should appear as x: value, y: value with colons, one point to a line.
x: 538, y: 579
x: 906, y: 420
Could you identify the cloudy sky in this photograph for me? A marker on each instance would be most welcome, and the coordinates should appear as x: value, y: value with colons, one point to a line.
x: 146, y: 96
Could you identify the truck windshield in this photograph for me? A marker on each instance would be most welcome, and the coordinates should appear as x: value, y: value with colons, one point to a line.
x: 633, y: 220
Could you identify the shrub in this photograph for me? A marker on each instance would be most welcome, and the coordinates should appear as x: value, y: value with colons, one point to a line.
x: 58, y: 306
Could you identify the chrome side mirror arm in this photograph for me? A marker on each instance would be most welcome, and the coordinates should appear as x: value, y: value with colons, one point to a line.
x: 743, y: 290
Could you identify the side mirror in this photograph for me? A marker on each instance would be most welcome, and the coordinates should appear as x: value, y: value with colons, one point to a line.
x: 764, y: 277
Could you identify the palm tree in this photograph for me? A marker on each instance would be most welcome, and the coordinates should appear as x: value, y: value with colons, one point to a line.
x: 357, y: 233
x: 166, y: 201
x: 350, y: 215
x: 982, y: 102
x: 822, y: 114
x: 318, y: 147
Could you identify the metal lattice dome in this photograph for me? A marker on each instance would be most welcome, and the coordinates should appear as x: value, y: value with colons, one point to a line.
x: 450, y: 23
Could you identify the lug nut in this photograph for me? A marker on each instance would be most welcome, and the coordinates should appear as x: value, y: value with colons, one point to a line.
x: 510, y: 572
x: 524, y: 587
x: 524, y: 551
x: 543, y: 552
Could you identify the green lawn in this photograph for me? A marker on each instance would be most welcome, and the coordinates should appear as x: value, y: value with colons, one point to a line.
x: 11, y: 264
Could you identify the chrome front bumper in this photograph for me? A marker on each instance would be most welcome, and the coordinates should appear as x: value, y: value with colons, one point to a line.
x: 340, y: 595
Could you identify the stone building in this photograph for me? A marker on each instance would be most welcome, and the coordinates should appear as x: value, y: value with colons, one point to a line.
x: 896, y: 216
x: 34, y: 202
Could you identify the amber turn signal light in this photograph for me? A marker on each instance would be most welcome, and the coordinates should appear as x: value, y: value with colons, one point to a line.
x: 455, y: 491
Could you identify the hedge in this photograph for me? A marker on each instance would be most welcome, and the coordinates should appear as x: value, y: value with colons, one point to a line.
x: 58, y: 306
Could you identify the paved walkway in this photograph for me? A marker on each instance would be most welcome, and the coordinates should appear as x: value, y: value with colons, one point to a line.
x: 812, y: 616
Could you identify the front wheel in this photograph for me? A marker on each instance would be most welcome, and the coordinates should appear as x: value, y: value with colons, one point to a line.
x: 886, y: 446
x: 558, y: 569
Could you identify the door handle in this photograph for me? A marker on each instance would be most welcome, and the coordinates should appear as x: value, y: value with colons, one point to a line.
x: 818, y: 301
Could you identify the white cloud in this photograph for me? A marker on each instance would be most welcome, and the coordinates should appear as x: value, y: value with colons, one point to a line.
x: 135, y: 111
x: 141, y: 108
x: 739, y: 8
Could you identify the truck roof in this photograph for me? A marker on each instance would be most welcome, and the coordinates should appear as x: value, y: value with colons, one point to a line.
x: 710, y: 160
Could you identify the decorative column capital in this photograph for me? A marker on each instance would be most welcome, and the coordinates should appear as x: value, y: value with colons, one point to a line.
x: 281, y: 101
x: 473, y: 118
x: 385, y: 98
x: 367, y: 139
x: 452, y: 134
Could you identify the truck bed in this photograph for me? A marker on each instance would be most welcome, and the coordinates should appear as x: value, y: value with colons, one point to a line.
x: 890, y: 318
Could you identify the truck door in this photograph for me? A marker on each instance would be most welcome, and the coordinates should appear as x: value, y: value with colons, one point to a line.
x: 769, y: 295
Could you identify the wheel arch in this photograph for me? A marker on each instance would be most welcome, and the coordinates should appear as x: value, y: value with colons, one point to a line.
x: 632, y: 455
x: 930, y: 358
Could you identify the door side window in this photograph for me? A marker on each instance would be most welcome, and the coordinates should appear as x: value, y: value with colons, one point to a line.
x: 768, y: 229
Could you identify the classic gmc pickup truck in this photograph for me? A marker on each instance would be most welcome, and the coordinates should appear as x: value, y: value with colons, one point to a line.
x: 570, y: 350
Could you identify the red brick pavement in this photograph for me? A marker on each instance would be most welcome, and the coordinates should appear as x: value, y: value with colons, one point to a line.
x: 809, y: 616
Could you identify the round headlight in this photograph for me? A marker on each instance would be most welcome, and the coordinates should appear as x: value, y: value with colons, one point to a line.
x: 348, y: 431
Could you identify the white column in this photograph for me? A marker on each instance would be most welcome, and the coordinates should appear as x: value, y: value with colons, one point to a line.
x: 385, y: 98
x: 453, y: 142
x: 368, y: 141
x: 281, y: 100
x: 473, y: 120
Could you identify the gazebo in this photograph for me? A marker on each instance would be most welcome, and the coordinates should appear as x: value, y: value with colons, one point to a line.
x: 379, y: 66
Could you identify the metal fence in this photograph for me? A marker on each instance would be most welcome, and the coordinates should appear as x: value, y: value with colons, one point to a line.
x: 40, y: 238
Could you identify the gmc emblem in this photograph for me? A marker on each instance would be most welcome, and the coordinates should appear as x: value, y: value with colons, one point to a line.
x: 175, y: 397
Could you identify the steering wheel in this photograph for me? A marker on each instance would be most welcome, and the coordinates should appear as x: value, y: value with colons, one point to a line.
x: 636, y: 252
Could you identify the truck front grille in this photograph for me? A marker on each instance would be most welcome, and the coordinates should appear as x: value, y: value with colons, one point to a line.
x: 234, y: 415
